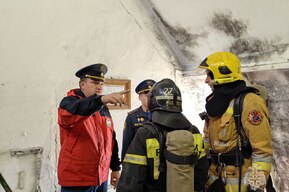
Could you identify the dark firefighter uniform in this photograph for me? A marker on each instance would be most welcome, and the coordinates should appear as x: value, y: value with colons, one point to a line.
x: 142, y: 167
x: 134, y: 120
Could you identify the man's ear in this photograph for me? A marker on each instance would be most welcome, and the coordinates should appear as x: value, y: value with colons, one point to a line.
x: 81, y: 83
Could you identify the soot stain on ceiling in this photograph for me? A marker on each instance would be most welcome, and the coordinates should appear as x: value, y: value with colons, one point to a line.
x: 185, y: 40
x: 246, y: 47
x: 229, y: 25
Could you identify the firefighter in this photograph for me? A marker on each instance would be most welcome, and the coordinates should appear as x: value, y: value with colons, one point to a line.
x: 220, y: 132
x: 144, y: 165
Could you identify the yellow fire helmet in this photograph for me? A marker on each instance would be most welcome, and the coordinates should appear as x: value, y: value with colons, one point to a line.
x: 225, y: 67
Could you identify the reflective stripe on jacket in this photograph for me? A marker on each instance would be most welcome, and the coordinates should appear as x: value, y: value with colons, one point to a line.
x: 141, y: 165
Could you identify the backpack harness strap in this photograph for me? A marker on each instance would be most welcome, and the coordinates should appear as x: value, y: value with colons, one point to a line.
x: 238, y: 108
x: 181, y: 160
x: 162, y: 165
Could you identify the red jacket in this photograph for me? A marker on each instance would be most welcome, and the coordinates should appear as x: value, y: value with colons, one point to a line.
x: 87, y: 141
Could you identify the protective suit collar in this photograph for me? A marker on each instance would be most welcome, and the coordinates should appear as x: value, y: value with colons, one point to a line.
x: 218, y: 101
x: 171, y: 120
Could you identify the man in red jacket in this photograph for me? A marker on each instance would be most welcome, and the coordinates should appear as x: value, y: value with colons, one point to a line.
x: 87, y: 137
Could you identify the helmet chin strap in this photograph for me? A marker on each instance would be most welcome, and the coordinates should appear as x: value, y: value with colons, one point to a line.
x: 222, y: 81
x: 212, y: 82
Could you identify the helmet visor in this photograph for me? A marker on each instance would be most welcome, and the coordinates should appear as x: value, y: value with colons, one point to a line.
x: 168, y: 101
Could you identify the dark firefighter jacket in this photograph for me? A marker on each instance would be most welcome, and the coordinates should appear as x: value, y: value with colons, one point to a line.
x: 141, y: 167
x: 134, y: 120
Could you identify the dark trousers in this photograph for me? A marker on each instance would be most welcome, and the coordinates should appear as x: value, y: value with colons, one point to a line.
x: 101, y: 188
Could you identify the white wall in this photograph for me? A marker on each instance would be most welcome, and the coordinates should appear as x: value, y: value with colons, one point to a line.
x: 42, y: 44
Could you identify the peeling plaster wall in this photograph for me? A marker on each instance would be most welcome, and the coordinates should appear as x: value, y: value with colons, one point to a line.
x: 256, y: 31
x: 42, y: 44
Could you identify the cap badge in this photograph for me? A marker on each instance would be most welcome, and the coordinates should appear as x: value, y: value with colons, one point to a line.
x: 102, y: 68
